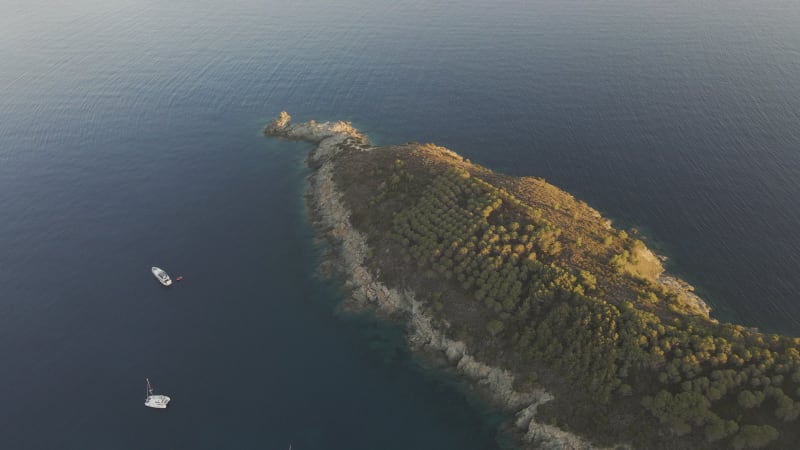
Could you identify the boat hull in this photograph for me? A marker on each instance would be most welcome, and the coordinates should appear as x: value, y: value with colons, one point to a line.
x: 161, y: 276
x: 157, y: 401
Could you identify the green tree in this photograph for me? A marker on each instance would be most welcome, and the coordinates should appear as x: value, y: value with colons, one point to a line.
x: 717, y: 429
x: 494, y: 327
x: 748, y: 399
x: 754, y: 436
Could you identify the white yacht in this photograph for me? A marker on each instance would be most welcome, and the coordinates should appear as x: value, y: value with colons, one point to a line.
x: 155, y: 401
x: 161, y: 275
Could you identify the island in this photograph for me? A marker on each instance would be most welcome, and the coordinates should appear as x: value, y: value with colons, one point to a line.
x: 568, y: 324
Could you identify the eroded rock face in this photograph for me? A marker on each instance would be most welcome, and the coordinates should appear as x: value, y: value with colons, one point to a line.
x: 278, y: 124
x: 311, y: 131
x: 686, y: 292
x: 422, y: 333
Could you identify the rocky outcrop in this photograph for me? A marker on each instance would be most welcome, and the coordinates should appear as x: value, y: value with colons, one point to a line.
x: 310, y: 131
x: 422, y: 332
x: 686, y: 293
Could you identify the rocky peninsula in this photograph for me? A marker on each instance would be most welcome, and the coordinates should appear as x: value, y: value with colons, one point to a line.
x: 566, y: 323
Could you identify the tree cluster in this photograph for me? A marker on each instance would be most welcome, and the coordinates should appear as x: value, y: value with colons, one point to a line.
x: 722, y: 382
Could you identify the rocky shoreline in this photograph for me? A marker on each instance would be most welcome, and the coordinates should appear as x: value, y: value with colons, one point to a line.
x: 349, y: 248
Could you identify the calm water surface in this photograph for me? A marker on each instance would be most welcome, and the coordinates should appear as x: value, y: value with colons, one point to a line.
x: 129, y: 136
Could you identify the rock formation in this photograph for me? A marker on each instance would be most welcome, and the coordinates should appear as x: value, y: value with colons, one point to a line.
x: 350, y: 252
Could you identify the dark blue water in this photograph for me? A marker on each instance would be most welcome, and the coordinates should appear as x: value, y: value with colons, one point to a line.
x: 129, y: 136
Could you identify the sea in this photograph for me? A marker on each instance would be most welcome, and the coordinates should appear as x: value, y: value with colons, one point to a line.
x: 130, y: 138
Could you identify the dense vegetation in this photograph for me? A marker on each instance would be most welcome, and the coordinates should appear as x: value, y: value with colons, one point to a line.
x: 540, y: 283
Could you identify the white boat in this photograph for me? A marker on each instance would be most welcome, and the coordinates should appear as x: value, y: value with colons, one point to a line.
x: 161, y: 276
x: 155, y: 401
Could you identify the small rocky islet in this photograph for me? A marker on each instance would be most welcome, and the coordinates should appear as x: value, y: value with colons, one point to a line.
x: 563, y: 321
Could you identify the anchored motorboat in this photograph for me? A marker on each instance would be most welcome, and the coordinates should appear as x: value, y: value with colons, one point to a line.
x: 162, y: 276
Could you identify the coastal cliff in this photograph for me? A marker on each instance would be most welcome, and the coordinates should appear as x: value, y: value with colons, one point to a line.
x: 561, y: 320
x: 332, y: 216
